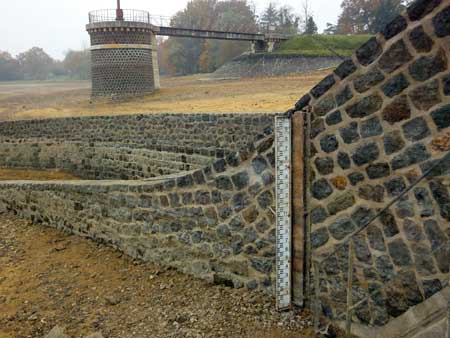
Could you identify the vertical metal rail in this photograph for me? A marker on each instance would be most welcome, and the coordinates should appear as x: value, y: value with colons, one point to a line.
x: 448, y: 304
x: 349, y: 312
x: 316, y: 307
x: 283, y: 212
x: 298, y: 208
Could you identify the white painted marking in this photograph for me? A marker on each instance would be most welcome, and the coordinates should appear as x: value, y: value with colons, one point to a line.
x: 283, y: 211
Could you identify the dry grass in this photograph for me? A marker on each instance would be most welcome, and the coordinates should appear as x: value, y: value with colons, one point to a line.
x: 194, y: 93
x: 36, y: 175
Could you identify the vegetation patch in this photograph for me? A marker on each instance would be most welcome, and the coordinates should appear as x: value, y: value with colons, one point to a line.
x: 323, y: 45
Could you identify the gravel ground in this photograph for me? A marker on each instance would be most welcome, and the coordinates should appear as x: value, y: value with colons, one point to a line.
x: 50, y: 278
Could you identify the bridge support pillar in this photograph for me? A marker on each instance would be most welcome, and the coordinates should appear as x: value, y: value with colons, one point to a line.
x: 155, y: 63
x: 263, y: 46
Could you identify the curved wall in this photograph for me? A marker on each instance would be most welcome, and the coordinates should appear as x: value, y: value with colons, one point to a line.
x: 128, y: 146
x: 215, y: 223
x: 380, y: 122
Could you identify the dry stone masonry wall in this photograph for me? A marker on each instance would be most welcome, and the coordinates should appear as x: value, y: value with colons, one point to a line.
x: 215, y: 223
x: 380, y: 122
x: 128, y: 147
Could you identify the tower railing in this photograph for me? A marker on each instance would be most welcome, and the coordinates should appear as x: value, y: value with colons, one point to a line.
x: 130, y: 15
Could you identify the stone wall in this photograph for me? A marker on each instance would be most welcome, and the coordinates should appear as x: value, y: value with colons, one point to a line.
x: 273, y: 64
x: 379, y: 122
x: 122, y: 59
x: 128, y: 147
x: 215, y: 223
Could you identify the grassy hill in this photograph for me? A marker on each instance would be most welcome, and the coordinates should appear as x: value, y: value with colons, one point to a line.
x: 323, y: 45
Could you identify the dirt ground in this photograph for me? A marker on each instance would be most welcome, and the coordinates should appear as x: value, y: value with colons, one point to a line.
x: 196, y: 93
x: 50, y: 278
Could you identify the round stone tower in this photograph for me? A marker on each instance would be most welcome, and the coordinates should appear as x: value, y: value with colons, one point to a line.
x: 123, y: 53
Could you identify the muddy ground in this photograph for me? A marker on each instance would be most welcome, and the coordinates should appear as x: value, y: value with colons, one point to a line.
x: 50, y: 278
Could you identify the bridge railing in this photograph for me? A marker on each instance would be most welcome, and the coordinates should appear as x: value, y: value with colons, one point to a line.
x: 134, y: 15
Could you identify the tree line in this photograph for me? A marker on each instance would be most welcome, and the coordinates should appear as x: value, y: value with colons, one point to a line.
x: 36, y: 64
x: 181, y: 56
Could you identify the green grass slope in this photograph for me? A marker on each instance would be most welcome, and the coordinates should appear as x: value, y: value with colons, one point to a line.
x: 323, y: 45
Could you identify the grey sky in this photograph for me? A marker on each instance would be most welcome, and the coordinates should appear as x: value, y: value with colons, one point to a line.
x: 58, y: 25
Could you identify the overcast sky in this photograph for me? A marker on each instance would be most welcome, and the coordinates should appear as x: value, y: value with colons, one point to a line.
x: 59, y: 25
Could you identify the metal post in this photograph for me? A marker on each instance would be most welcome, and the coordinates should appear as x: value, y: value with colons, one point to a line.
x: 316, y: 297
x: 119, y: 12
x: 348, y: 323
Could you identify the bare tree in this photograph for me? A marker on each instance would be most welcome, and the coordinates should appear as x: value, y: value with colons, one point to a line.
x: 307, y: 13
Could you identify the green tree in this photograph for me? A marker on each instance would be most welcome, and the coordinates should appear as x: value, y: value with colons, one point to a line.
x: 188, y: 56
x: 35, y: 64
x: 288, y: 22
x: 78, y: 64
x: 9, y: 68
x: 367, y: 16
x: 269, y: 18
x: 330, y: 30
x: 311, y: 27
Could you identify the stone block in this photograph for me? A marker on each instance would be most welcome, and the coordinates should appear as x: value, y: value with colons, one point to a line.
x: 349, y: 133
x: 420, y: 8
x: 365, y: 153
x: 369, y: 52
x: 441, y: 23
x: 378, y: 170
x: 340, y: 203
x: 362, y: 216
x: 416, y: 129
x: 393, y: 142
x: 368, y: 80
x: 371, y: 193
x: 427, y: 66
x: 420, y: 40
x: 319, y: 238
x: 365, y: 107
x: 329, y: 143
x: 323, y: 86
x: 324, y: 165
x: 400, y: 253
x: 240, y: 180
x: 344, y: 95
x: 416, y: 153
x: 395, y: 85
x: 355, y: 178
x: 342, y: 228
x: 395, y: 57
x: 345, y: 69
x: 441, y: 117
x: 395, y: 186
x: 325, y: 105
x: 343, y: 160
x: 395, y: 27
x: 333, y: 118
x: 426, y: 96
x: 390, y: 227
x: 398, y: 110
x: 371, y: 127
x: 321, y: 189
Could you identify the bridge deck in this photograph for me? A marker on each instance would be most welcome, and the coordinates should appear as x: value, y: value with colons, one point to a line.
x: 208, y: 34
